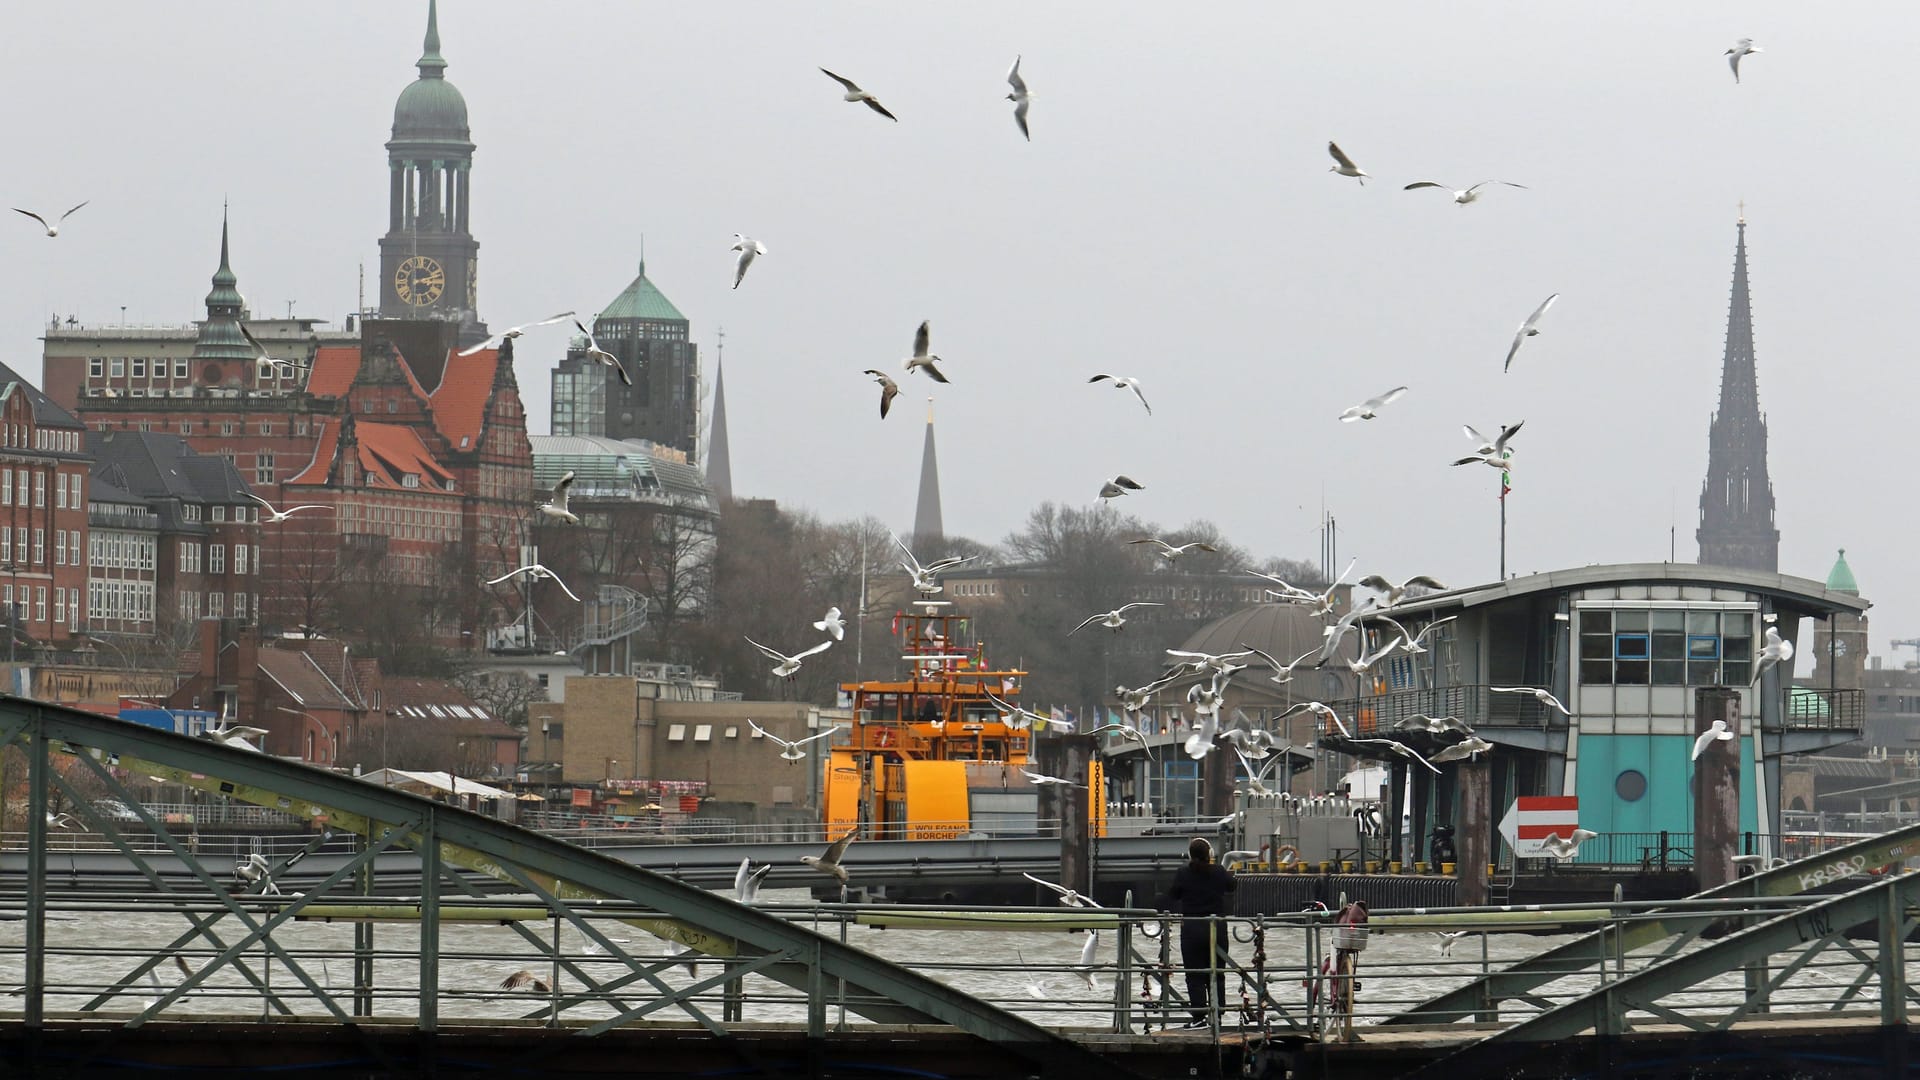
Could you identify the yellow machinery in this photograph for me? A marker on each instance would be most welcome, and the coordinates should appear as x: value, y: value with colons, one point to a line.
x: 931, y: 756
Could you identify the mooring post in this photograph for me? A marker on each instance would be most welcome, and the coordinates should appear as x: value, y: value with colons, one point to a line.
x: 1076, y: 824
x: 1473, y: 827
x: 1716, y: 787
x: 1216, y: 784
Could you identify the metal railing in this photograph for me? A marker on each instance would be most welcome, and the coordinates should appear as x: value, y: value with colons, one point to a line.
x: 1826, y: 709
x: 1473, y: 703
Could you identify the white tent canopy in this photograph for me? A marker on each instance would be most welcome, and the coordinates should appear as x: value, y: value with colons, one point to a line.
x: 445, y: 783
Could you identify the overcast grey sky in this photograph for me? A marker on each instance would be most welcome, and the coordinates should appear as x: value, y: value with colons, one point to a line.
x: 1173, y: 218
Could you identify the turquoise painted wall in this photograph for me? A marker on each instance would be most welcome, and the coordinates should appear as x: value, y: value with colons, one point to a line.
x: 1668, y: 804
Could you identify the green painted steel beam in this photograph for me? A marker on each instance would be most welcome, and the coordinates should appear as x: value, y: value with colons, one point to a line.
x: 1604, y: 1009
x: 1795, y: 878
x: 465, y: 839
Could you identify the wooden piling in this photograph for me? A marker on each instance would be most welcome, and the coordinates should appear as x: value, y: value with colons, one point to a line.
x: 1473, y: 826
x: 1716, y: 787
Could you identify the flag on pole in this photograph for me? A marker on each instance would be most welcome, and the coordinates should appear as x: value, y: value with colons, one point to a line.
x: 1506, y: 474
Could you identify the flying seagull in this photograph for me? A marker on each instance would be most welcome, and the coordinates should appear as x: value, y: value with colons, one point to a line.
x: 833, y: 624
x: 1281, y: 672
x: 747, y: 879
x: 1717, y: 733
x: 1448, y: 938
x: 1411, y: 642
x: 854, y: 93
x: 1434, y: 725
x: 1565, y: 849
x: 1112, y: 620
x: 253, y: 870
x: 1068, y: 897
x: 606, y: 358
x: 1014, y: 716
x: 1776, y: 650
x: 1400, y: 748
x: 1471, y: 194
x: 1118, y: 486
x: 1539, y: 695
x: 512, y: 332
x: 1371, y: 407
x: 922, y: 360
x: 1344, y: 165
x: 274, y: 515
x: 54, y: 229
x: 888, y: 389
x: 791, y: 750
x: 260, y: 355
x: 537, y: 572
x: 556, y: 506
x: 1042, y: 779
x: 1743, y: 47
x: 1199, y: 663
x: 748, y: 247
x: 1463, y: 750
x: 1020, y: 98
x: 923, y: 576
x: 786, y: 666
x: 527, y: 979
x: 1133, y: 700
x: 829, y: 863
x: 1528, y: 329
x: 1126, y: 382
x: 1495, y: 446
x: 1256, y: 774
x: 1170, y: 552
x: 1396, y: 592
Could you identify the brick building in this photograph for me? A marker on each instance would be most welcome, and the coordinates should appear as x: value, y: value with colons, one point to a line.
x: 43, y: 515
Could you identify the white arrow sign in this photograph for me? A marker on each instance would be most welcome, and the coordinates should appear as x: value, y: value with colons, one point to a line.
x: 1533, y: 818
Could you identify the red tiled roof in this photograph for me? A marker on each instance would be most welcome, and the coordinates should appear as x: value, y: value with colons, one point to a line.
x: 389, y: 452
x: 330, y: 656
x: 299, y: 676
x: 436, y: 701
x: 460, y: 401
x: 316, y: 471
x: 334, y: 367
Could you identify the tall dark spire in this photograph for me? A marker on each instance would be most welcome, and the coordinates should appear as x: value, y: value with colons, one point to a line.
x: 719, y: 464
x: 926, y: 510
x: 1736, y: 502
x: 220, y: 337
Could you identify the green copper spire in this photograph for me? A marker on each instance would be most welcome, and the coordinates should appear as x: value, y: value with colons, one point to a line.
x: 432, y: 64
x: 1840, y: 578
x: 220, y: 336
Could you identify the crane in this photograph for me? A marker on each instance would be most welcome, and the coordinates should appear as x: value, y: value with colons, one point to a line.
x: 1911, y: 643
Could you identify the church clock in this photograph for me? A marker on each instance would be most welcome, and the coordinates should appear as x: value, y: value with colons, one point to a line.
x: 419, y: 281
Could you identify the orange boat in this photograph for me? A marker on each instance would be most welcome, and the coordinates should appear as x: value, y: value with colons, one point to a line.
x: 930, y: 756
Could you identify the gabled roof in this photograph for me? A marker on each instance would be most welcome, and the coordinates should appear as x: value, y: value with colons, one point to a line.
x: 334, y: 367
x: 332, y: 657
x: 155, y: 465
x: 46, y: 411
x: 323, y: 451
x: 302, y: 679
x: 389, y: 453
x: 459, y: 403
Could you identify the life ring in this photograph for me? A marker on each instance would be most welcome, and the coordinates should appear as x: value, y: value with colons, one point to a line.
x: 883, y: 738
x: 1287, y: 853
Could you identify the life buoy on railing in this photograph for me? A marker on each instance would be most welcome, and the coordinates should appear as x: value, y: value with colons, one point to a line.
x: 883, y: 738
x: 1287, y: 853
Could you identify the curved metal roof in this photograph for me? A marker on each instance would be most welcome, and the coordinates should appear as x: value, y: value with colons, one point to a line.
x: 1806, y: 594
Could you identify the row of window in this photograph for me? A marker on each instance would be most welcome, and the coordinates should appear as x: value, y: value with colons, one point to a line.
x: 1665, y: 647
x: 43, y: 438
x: 124, y: 601
x: 68, y: 491
x: 121, y: 551
x: 216, y: 557
x: 216, y: 605
x: 63, y: 540
x: 118, y: 367
x: 32, y: 605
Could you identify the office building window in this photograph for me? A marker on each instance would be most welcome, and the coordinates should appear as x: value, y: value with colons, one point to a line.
x: 216, y: 605
x: 216, y: 558
x: 263, y: 468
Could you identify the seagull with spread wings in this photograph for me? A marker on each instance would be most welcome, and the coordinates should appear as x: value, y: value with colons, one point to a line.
x: 1112, y: 620
x: 924, y: 581
x: 1135, y: 699
x: 748, y: 247
x: 922, y: 358
x: 829, y: 863
x: 1042, y: 780
x: 1464, y: 197
x: 1718, y: 732
x: 1539, y: 695
x: 1020, y: 97
x: 1170, y: 552
x: 1282, y: 673
x: 854, y: 93
x: 260, y: 354
x: 1344, y: 165
x: 1530, y: 328
x: 747, y: 879
x: 834, y: 623
x: 537, y: 572
x: 790, y: 750
x: 1119, y: 485
x: 605, y: 358
x: 1371, y: 407
x: 1401, y: 749
x: 888, y: 389
x: 1567, y: 848
x: 786, y: 666
x: 1743, y: 47
x: 1126, y: 382
x: 556, y: 505
x: 1068, y: 897
x: 1019, y: 718
x: 1776, y: 650
x: 274, y: 516
x: 1395, y: 592
x: 1466, y: 749
x: 1495, y: 446
x: 512, y: 332
x: 54, y: 228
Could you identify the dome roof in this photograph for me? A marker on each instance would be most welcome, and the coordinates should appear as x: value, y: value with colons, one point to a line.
x: 1283, y: 630
x: 431, y: 109
x: 1840, y: 578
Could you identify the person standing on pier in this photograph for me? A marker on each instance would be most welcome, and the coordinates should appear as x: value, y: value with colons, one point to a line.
x: 1199, y: 892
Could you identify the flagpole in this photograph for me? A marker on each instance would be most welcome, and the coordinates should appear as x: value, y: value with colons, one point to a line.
x: 1506, y: 485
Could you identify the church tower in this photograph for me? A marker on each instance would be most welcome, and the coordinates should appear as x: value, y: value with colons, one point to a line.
x: 719, y: 463
x: 221, y: 355
x: 1736, y: 502
x: 1840, y: 642
x: 927, y: 530
x: 428, y: 259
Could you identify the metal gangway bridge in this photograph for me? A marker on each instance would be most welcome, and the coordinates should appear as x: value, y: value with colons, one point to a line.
x: 632, y: 971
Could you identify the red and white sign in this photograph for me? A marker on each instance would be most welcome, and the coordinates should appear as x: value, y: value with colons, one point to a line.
x: 1533, y: 818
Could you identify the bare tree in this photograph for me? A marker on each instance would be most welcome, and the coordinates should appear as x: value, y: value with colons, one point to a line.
x: 504, y: 694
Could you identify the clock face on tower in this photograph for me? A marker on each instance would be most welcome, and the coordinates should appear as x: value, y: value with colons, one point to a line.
x: 419, y: 281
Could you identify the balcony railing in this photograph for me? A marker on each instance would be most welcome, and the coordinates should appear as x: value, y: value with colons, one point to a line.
x: 1473, y: 703
x: 1822, y: 709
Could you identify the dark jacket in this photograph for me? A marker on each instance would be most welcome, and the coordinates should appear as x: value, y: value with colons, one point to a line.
x: 1200, y: 890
